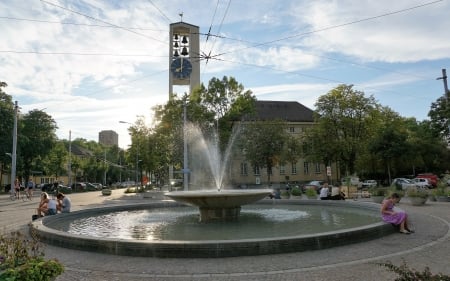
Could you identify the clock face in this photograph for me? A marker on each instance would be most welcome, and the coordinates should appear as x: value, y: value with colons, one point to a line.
x: 181, y: 68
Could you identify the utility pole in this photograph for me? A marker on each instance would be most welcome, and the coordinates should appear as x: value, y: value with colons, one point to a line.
x: 444, y: 79
x: 14, y: 149
x: 69, y: 166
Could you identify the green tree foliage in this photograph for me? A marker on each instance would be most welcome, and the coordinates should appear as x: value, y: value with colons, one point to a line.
x: 343, y: 115
x: 36, y: 138
x: 220, y: 104
x: 263, y: 143
x: 6, y: 127
x: 54, y: 163
x: 225, y: 101
x: 440, y: 117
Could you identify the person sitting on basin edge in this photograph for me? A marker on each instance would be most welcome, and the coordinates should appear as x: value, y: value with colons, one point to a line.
x: 64, y: 203
x: 47, y: 206
x: 395, y: 217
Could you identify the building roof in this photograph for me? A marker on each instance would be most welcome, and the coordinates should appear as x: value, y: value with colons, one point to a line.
x: 290, y: 111
x: 80, y: 151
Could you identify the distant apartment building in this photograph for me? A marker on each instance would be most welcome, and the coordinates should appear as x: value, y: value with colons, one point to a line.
x: 108, y: 137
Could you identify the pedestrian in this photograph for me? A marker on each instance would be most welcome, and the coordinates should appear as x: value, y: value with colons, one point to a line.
x: 64, y: 203
x: 30, y: 187
x: 17, y: 188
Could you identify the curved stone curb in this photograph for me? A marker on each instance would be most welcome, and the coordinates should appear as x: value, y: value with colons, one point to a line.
x: 209, y: 249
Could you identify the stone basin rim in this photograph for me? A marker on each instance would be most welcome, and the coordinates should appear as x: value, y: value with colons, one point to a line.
x: 212, y: 248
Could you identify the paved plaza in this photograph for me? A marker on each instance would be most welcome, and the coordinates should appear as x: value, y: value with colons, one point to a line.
x: 428, y: 246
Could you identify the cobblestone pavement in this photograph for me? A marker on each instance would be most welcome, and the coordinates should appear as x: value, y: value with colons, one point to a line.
x: 429, y: 246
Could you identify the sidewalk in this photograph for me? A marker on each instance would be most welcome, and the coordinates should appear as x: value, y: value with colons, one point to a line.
x: 429, y: 246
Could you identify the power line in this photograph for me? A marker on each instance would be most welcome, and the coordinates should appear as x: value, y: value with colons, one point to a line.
x: 333, y: 27
x: 102, y: 21
x: 159, y: 10
x: 77, y: 24
x: 79, y: 54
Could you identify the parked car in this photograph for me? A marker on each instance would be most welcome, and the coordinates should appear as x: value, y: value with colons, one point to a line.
x: 352, y: 180
x: 91, y: 186
x: 79, y: 186
x: 369, y: 183
x: 423, y: 182
x: 431, y: 177
x: 403, y: 183
x: 316, y: 185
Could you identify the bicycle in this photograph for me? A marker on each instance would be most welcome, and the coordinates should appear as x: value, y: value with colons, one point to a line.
x: 13, y: 196
x: 26, y: 196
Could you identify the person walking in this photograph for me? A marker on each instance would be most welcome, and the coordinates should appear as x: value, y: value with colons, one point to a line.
x: 17, y: 188
x: 30, y: 188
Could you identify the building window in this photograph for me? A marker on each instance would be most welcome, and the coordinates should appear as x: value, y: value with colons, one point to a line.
x: 294, y: 168
x: 244, y: 171
x: 306, y: 168
x: 291, y: 129
x: 317, y: 168
x: 256, y: 170
x: 282, y: 170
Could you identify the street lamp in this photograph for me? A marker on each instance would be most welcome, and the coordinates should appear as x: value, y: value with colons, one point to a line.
x: 137, y: 152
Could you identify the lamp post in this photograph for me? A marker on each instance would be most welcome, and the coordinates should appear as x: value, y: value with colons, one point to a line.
x: 14, y: 149
x: 137, y: 153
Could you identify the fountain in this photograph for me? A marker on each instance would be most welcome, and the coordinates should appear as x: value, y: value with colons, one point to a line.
x: 219, y: 203
x: 234, y: 227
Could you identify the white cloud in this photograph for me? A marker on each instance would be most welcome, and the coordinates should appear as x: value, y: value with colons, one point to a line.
x: 269, y: 46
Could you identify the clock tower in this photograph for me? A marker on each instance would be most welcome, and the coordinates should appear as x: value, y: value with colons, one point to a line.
x: 184, y: 56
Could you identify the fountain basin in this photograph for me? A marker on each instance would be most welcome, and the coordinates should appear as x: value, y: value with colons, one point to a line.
x: 49, y: 231
x: 219, y: 205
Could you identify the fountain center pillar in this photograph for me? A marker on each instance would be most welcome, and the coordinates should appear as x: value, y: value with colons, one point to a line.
x: 219, y: 214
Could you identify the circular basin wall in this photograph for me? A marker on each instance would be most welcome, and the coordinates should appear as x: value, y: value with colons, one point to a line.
x: 52, y: 230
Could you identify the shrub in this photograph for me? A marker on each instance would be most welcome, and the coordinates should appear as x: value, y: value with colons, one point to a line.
x: 378, y: 191
x: 22, y: 258
x: 311, y: 192
x: 414, y: 192
x: 407, y: 274
x: 296, y: 191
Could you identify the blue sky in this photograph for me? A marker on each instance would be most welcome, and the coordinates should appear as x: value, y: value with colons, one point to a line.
x: 90, y: 64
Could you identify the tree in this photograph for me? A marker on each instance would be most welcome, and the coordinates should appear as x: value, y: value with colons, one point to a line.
x: 224, y: 102
x: 440, y: 117
x: 6, y: 127
x: 213, y: 108
x: 36, y: 138
x: 389, y: 144
x: 342, y: 126
x: 54, y: 162
x: 263, y: 143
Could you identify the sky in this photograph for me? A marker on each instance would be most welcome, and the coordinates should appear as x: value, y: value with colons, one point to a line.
x: 92, y: 63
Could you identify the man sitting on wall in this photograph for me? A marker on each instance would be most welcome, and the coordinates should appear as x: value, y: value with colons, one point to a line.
x: 64, y: 203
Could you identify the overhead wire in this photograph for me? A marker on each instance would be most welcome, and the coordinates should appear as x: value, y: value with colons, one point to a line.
x: 102, y: 21
x: 220, y: 28
x: 78, y: 24
x: 207, y: 57
x: 332, y: 27
x: 159, y: 10
x: 297, y: 73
